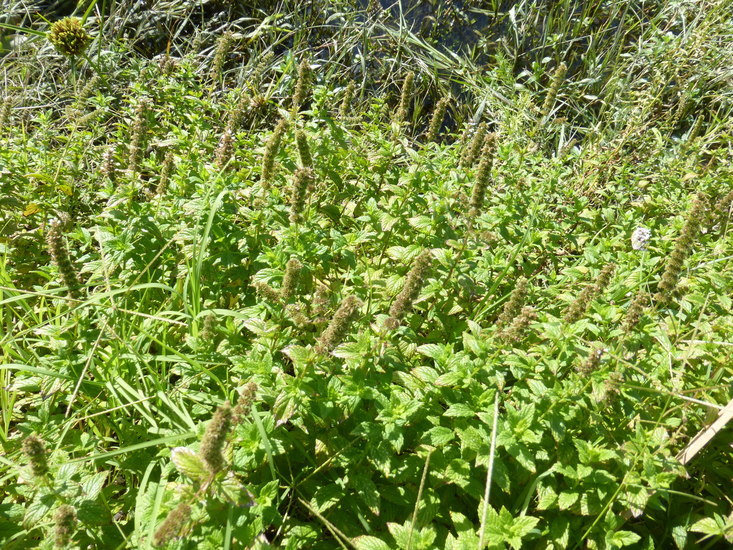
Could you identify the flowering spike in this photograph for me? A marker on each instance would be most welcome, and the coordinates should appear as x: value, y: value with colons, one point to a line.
x: 173, y: 524
x: 339, y: 326
x: 290, y: 279
x: 215, y: 437
x: 35, y: 450
x: 65, y: 521
x: 682, y: 249
x: 60, y: 256
x: 414, y: 282
x: 271, y: 149
x: 437, y: 120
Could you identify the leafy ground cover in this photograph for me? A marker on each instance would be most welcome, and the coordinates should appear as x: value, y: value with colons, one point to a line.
x: 251, y: 302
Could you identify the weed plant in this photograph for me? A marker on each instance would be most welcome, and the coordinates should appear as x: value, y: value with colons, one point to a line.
x: 240, y: 310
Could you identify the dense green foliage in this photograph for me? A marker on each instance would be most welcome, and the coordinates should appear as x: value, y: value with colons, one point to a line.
x: 250, y: 302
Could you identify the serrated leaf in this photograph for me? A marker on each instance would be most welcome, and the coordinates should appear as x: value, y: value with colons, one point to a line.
x: 188, y: 463
x: 439, y: 436
x: 400, y: 533
x: 623, y: 538
x: 459, y: 410
x: 260, y: 327
x: 566, y: 499
x: 449, y: 379
x: 92, y: 485
x: 366, y: 542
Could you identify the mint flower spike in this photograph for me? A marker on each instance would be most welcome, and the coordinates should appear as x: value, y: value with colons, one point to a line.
x: 214, y: 438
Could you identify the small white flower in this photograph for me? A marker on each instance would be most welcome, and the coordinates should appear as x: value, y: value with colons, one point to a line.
x: 640, y: 238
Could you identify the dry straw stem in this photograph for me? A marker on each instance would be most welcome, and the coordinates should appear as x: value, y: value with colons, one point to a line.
x: 706, y: 435
x: 271, y: 149
x: 413, y: 284
x: 682, y: 249
x: 214, y: 438
x: 339, y: 325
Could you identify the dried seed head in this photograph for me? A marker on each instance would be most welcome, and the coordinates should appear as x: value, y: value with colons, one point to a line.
x: 209, y: 330
x: 138, y: 134
x: 592, y: 362
x: 243, y: 106
x: 215, y: 437
x: 35, y: 451
x: 339, y: 325
x: 225, y: 149
x: 165, y: 173
x: 173, y: 524
x: 64, y: 525
x: 107, y: 167
x: 723, y: 206
x: 483, y: 176
x: 5, y: 108
x: 68, y: 37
